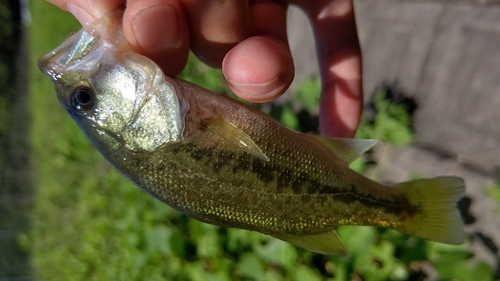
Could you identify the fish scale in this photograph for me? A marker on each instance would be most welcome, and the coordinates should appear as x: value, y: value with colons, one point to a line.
x: 290, y: 188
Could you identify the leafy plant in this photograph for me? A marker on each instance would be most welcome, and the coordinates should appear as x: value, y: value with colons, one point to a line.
x: 391, y: 122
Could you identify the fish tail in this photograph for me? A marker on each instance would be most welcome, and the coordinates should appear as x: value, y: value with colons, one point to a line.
x: 436, y: 216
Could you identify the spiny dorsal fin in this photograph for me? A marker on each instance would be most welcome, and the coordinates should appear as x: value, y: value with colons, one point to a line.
x: 236, y: 137
x: 346, y: 149
x: 327, y: 243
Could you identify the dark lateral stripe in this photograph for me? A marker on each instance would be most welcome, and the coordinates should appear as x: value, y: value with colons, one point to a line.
x: 286, y: 179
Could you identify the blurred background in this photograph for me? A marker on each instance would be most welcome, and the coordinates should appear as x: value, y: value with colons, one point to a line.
x: 431, y: 80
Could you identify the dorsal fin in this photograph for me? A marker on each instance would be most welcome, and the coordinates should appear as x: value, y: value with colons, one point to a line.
x: 346, y: 149
x: 327, y: 243
x: 236, y: 137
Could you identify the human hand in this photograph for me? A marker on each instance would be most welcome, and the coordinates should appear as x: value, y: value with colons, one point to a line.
x: 248, y: 40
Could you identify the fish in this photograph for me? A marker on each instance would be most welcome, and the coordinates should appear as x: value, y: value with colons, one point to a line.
x: 226, y: 163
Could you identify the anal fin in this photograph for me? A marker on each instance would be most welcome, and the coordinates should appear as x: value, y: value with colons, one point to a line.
x: 327, y: 243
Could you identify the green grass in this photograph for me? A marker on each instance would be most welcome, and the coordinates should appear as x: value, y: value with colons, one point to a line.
x: 89, y: 223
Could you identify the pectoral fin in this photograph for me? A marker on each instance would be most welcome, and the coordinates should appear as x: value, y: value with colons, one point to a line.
x: 236, y: 137
x: 346, y: 149
x: 327, y: 243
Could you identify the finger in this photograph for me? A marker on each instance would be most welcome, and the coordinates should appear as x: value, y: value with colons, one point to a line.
x: 158, y: 30
x: 216, y: 26
x: 86, y: 11
x: 260, y: 68
x: 339, y: 56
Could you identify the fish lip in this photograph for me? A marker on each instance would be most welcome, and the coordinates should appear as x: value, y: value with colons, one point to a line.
x: 49, y: 68
x: 47, y: 65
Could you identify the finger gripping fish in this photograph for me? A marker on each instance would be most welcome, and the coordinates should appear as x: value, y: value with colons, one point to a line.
x: 225, y: 163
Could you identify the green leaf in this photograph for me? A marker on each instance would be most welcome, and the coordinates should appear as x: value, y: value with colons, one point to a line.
x: 359, y: 165
x: 178, y: 244
x: 157, y: 239
x: 251, y: 267
x: 239, y: 240
x: 278, y: 252
x: 308, y: 93
x: 305, y: 273
x: 289, y: 118
x: 392, y: 122
x: 357, y: 238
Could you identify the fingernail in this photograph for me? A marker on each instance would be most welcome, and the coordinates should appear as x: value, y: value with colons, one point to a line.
x: 80, y: 14
x: 156, y: 28
x: 255, y: 90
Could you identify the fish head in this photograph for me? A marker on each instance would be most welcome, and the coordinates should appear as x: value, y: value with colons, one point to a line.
x: 118, y: 97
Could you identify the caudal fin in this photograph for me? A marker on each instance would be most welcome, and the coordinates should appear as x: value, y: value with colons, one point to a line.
x: 437, y: 217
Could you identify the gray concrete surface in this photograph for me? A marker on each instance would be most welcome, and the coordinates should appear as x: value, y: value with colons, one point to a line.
x: 446, y: 55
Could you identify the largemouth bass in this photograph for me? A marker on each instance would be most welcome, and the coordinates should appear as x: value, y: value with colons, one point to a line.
x: 225, y: 163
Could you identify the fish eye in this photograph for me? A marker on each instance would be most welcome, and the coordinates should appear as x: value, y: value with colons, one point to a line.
x: 82, y: 99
